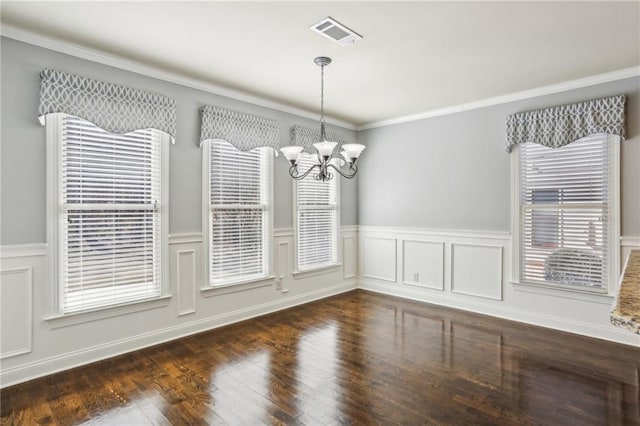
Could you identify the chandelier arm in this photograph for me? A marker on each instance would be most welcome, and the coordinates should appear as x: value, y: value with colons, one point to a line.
x: 345, y: 175
x: 293, y: 172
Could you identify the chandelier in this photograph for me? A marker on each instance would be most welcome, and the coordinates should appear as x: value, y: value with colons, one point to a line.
x: 327, y: 163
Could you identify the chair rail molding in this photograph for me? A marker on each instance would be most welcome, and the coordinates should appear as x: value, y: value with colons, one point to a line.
x: 630, y: 241
x: 435, y: 232
x: 186, y: 238
x: 23, y: 250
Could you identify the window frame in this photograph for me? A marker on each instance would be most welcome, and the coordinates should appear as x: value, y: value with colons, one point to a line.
x: 613, y: 230
x: 56, y: 317
x: 297, y: 272
x: 234, y: 285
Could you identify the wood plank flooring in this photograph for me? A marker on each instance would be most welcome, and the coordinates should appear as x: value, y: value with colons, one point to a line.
x: 357, y: 358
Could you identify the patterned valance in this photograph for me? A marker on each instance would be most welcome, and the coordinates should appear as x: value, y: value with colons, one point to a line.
x: 116, y: 109
x: 244, y: 131
x: 558, y: 126
x: 306, y: 137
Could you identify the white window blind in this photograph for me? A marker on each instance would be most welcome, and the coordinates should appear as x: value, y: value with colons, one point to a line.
x: 565, y: 213
x: 110, y: 244
x: 239, y: 210
x: 317, y: 220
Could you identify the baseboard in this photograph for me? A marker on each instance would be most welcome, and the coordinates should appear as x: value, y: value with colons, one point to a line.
x: 30, y: 371
x: 557, y: 323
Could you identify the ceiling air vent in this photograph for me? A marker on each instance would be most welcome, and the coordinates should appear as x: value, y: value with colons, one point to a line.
x: 337, y: 32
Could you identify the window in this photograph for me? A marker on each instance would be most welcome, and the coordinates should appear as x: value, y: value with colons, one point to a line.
x: 239, y: 213
x: 316, y: 220
x: 108, y: 200
x: 567, y: 214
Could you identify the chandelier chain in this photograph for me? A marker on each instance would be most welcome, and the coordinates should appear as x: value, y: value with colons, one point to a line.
x: 322, y: 94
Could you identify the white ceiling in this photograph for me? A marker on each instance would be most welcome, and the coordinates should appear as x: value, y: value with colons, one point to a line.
x: 414, y: 57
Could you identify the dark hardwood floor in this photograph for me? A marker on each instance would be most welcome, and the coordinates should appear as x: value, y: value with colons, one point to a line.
x: 357, y: 358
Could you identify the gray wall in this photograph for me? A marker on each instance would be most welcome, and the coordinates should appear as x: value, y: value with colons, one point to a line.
x: 448, y: 172
x: 452, y: 172
x: 22, y: 149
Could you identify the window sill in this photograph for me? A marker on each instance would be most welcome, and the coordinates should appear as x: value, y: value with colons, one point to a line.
x: 237, y: 286
x: 65, y: 320
x: 316, y: 271
x: 567, y: 293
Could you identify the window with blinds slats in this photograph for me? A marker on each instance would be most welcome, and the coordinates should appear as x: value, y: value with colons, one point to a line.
x: 110, y: 225
x: 565, y: 214
x: 316, y: 221
x: 239, y: 213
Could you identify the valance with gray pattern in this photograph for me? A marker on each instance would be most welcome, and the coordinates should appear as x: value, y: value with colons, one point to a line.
x: 558, y: 126
x: 243, y: 131
x: 306, y: 137
x: 116, y: 109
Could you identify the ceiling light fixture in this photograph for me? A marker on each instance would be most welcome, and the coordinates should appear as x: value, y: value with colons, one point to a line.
x: 326, y: 161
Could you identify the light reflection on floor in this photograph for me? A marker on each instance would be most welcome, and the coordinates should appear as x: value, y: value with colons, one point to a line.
x: 316, y: 374
x: 239, y: 392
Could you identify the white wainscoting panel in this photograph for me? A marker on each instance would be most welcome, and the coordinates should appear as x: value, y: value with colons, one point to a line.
x: 350, y: 257
x: 186, y: 311
x: 187, y: 270
x: 476, y: 270
x: 423, y: 264
x: 15, y: 311
x: 283, y: 264
x: 186, y: 281
x: 379, y: 258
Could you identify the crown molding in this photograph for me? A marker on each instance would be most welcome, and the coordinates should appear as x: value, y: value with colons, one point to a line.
x: 82, y: 52
x: 512, y: 97
x: 79, y: 51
